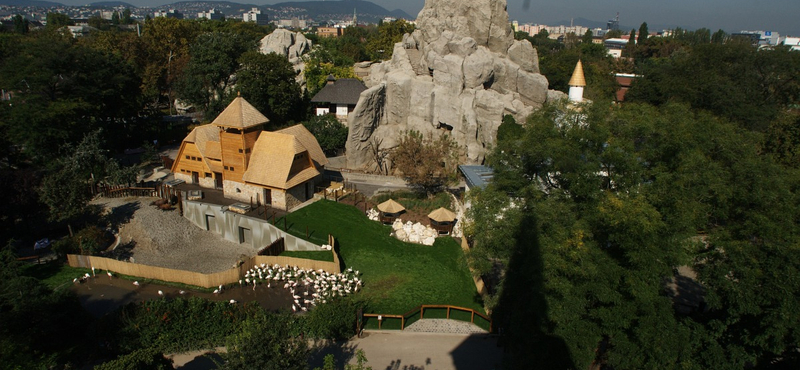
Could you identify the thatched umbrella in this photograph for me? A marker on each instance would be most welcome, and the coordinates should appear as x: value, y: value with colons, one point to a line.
x: 390, y: 206
x: 442, y: 215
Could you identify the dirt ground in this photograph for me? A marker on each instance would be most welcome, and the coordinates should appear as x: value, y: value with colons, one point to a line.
x: 150, y: 236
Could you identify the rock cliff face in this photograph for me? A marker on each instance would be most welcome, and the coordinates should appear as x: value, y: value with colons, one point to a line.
x: 460, y: 71
x: 291, y: 45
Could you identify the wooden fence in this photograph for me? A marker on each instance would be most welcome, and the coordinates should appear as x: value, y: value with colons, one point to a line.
x: 196, y: 278
x: 421, y: 309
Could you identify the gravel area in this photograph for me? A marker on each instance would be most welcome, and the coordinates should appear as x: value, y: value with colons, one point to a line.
x: 150, y: 236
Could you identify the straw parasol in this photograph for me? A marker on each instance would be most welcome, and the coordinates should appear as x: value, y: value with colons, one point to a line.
x: 442, y: 215
x: 390, y: 206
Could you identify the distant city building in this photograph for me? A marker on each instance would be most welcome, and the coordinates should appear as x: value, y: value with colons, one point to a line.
x: 613, y: 24
x: 329, y: 31
x: 759, y: 38
x: 793, y: 42
x: 172, y: 13
x: 212, y: 14
x: 389, y: 19
x: 295, y: 23
x: 624, y: 80
x: 106, y: 14
x: 255, y: 15
x: 615, y: 46
x: 80, y: 31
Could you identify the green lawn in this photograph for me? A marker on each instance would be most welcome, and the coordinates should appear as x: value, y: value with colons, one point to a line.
x: 398, y: 276
x: 54, y: 274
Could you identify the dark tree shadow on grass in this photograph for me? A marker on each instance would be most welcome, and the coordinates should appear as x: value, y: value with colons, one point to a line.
x: 521, y: 315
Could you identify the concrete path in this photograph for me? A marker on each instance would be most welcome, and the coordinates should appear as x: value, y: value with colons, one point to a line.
x: 426, y: 351
x: 444, y: 326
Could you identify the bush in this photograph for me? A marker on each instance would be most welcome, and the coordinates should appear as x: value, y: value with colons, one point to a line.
x: 141, y: 359
x: 266, y: 342
x: 335, y: 319
x: 92, y: 240
x: 178, y: 324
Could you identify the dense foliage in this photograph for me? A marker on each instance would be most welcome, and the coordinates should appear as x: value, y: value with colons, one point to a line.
x: 427, y: 164
x: 329, y: 132
x: 605, y: 205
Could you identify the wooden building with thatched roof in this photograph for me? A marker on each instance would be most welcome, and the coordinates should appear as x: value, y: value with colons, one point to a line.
x: 234, y: 154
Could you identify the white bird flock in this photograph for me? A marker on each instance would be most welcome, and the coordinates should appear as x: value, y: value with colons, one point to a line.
x: 308, y: 287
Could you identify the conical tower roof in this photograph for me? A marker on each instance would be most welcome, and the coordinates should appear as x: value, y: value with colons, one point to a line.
x: 577, y: 76
x: 240, y: 115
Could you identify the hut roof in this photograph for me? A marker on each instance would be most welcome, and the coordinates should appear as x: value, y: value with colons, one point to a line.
x: 390, y: 206
x: 341, y: 91
x: 306, y: 138
x: 240, y: 115
x: 442, y: 215
x: 272, y: 162
x: 577, y: 78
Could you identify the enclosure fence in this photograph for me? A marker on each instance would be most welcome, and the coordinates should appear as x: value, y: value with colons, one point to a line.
x: 197, y: 278
x: 418, y: 313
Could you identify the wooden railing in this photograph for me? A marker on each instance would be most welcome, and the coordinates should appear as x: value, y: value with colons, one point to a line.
x: 421, y: 309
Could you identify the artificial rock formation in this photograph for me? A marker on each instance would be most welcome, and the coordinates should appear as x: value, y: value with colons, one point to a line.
x: 292, y: 46
x: 460, y: 71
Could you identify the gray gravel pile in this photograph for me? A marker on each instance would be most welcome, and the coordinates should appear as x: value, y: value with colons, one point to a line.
x: 165, y: 239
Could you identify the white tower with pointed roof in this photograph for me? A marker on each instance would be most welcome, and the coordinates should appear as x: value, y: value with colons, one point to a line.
x: 576, y: 84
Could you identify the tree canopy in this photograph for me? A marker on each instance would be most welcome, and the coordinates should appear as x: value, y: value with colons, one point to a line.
x: 591, y: 215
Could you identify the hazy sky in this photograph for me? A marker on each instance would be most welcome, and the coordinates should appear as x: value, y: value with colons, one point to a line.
x: 781, y: 16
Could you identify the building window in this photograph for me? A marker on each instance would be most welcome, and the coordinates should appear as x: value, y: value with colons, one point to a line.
x: 232, y: 168
x: 187, y: 157
x: 226, y: 168
x: 208, y: 174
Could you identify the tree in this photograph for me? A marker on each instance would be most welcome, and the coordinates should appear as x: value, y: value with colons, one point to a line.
x: 115, y: 18
x: 266, y: 343
x: 329, y: 132
x: 587, y: 37
x: 630, y: 48
x: 426, y: 164
x: 126, y: 16
x: 268, y: 81
x: 165, y: 52
x: 206, y: 78
x: 588, y: 214
x: 613, y: 34
x: 58, y: 20
x: 381, y: 47
x: 21, y: 25
x: 719, y: 37
x: 145, y: 358
x: 643, y: 34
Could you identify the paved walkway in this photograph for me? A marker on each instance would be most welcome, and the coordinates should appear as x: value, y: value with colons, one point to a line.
x: 444, y: 326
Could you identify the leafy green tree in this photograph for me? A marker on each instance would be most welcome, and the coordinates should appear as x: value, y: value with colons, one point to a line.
x: 140, y: 359
x: 266, y: 343
x: 126, y: 16
x: 268, y: 82
x: 57, y: 20
x: 115, y: 18
x: 207, y: 77
x: 590, y: 212
x: 587, y: 37
x: 329, y: 132
x: 21, y: 25
x: 643, y: 34
x: 613, y: 34
x: 322, y: 62
x: 427, y: 164
x: 719, y: 37
x: 381, y: 46
x: 165, y: 52
x: 630, y: 48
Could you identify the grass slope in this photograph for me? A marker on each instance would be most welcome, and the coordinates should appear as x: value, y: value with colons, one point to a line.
x: 398, y: 276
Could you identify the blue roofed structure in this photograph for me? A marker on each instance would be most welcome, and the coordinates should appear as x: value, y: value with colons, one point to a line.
x: 476, y: 176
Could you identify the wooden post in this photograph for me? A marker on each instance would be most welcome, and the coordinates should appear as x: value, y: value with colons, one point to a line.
x: 472, y: 319
x: 448, y: 312
x: 421, y: 312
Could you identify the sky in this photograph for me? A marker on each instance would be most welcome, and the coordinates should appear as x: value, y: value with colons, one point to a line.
x: 782, y: 16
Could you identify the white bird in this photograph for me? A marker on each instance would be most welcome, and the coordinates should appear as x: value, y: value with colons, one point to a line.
x: 294, y: 308
x: 109, y: 274
x: 240, y: 282
x: 160, y: 293
x: 86, y: 275
x: 75, y: 280
x: 136, y: 283
x: 233, y: 301
x: 182, y: 292
x: 220, y: 288
x: 216, y: 291
x: 304, y: 309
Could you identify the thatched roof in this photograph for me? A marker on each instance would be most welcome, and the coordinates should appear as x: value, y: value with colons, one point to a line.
x: 390, y: 206
x: 240, y: 115
x: 206, y: 139
x: 272, y: 163
x: 309, y: 142
x: 442, y: 215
